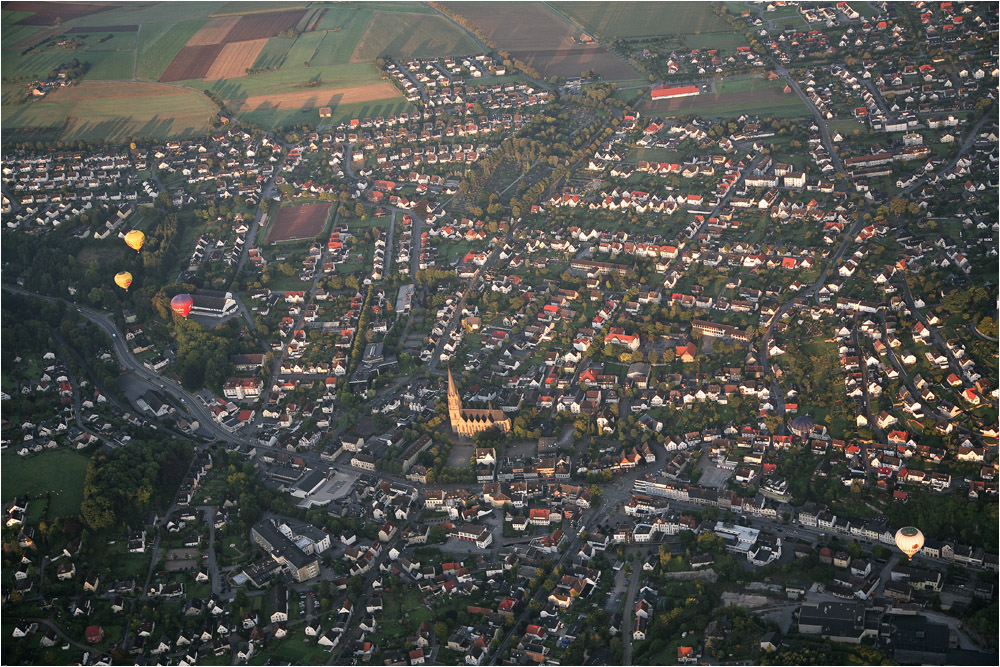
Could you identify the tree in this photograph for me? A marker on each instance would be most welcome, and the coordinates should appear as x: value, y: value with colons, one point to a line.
x: 440, y: 631
x: 437, y: 534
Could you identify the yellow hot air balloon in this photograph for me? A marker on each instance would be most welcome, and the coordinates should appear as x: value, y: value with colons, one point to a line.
x: 135, y: 239
x: 123, y: 280
x: 909, y: 540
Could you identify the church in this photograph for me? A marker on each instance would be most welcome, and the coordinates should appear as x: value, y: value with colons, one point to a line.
x: 468, y: 422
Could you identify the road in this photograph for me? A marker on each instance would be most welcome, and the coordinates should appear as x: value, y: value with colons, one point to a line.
x: 820, y: 121
x: 266, y: 193
x: 865, y: 378
x: 135, y: 52
x: 628, y: 611
x: 970, y: 139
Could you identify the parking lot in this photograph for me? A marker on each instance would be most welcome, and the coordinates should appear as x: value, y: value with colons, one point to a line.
x: 713, y: 476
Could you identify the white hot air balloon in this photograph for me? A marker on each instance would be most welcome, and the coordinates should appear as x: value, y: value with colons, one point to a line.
x: 909, y: 540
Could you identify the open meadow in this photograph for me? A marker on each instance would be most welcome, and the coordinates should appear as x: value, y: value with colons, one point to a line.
x: 520, y: 28
x: 115, y: 111
x: 60, y: 472
x: 643, y: 19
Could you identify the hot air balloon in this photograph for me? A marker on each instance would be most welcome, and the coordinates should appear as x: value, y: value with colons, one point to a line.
x: 181, y: 304
x: 123, y: 280
x: 909, y: 540
x: 134, y: 239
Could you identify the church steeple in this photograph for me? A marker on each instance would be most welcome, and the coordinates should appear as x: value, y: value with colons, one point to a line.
x: 454, y: 403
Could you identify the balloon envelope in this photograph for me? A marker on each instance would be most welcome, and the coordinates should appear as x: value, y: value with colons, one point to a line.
x: 909, y: 540
x: 181, y: 304
x: 123, y: 280
x: 134, y: 239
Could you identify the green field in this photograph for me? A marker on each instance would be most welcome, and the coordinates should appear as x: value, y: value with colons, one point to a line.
x: 96, y: 110
x: 716, y: 40
x: 290, y: 81
x: 115, y: 65
x: 231, y: 8
x: 116, y: 41
x: 410, y: 35
x: 274, y: 52
x: 744, y: 84
x: 146, y: 14
x: 344, y: 29
x: 157, y: 47
x: 642, y: 19
x: 104, y: 64
x: 12, y: 34
x: 395, y: 6
x: 302, y: 50
x: 59, y: 472
x: 11, y: 17
x: 346, y: 17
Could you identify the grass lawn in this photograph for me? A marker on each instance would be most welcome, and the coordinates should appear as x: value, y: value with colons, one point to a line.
x: 640, y: 19
x: 300, y: 651
x: 847, y: 126
x: 401, y: 615
x: 59, y: 472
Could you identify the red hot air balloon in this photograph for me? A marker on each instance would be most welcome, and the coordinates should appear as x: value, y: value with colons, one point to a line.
x: 181, y: 304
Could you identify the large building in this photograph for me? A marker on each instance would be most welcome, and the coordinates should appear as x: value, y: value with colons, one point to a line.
x: 283, y: 550
x: 471, y: 421
x: 669, y: 93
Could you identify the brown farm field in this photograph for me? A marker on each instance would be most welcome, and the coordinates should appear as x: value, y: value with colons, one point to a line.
x: 298, y: 222
x: 259, y: 26
x: 234, y: 59
x: 46, y: 13
x: 193, y: 62
x: 313, y: 98
x: 214, y: 31
x: 519, y: 28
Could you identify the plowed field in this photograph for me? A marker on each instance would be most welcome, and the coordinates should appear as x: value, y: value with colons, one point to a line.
x: 193, y: 62
x: 234, y: 59
x: 214, y: 31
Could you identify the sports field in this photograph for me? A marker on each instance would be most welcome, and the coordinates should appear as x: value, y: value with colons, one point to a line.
x: 766, y: 101
x: 60, y: 472
x: 643, y: 19
x: 295, y: 223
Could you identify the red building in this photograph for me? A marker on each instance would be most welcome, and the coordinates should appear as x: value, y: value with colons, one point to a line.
x: 667, y: 92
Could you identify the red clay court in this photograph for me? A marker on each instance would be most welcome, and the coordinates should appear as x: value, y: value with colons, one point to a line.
x: 294, y: 223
